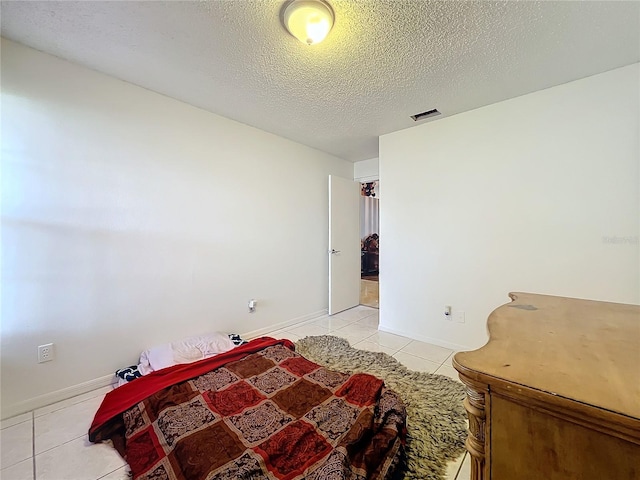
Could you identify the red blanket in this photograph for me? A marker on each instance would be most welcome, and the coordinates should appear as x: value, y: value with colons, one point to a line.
x: 260, y: 411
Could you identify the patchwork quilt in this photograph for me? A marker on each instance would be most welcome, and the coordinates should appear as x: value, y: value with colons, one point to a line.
x: 260, y: 411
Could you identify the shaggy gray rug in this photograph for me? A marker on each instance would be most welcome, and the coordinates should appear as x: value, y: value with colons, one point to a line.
x: 436, y: 427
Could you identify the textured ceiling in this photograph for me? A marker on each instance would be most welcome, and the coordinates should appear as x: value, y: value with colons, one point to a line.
x: 383, y: 61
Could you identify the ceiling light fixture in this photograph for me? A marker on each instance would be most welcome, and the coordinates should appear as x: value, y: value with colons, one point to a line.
x: 308, y: 20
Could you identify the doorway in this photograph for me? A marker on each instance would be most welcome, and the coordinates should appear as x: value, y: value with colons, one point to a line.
x: 369, y: 244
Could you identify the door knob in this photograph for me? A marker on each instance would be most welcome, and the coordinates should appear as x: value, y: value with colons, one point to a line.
x: 334, y: 251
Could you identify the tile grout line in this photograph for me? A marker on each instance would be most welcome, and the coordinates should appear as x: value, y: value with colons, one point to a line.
x: 464, y: 457
x: 422, y: 358
x: 106, y: 474
x: 60, y: 444
x: 70, y: 404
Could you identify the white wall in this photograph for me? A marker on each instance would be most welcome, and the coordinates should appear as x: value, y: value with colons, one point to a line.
x: 523, y: 195
x: 366, y: 170
x: 130, y: 219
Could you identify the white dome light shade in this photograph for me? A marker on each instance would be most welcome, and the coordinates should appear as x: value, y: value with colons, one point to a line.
x: 308, y: 20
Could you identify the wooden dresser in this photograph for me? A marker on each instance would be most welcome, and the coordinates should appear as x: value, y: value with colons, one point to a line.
x: 555, y: 393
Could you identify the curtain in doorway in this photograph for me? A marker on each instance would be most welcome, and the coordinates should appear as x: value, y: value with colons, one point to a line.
x: 369, y: 216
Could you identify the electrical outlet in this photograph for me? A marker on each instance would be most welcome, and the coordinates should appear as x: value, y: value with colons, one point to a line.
x: 45, y: 353
x: 460, y: 317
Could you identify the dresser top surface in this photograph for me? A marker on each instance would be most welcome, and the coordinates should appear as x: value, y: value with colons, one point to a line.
x: 583, y: 350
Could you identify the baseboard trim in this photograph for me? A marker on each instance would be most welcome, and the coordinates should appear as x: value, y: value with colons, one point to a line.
x: 40, y: 401
x: 57, y: 396
x: 279, y: 326
x: 434, y: 341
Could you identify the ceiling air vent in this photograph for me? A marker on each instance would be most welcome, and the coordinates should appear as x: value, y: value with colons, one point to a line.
x: 427, y: 114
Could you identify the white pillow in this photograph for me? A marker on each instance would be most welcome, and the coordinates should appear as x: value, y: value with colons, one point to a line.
x: 185, y: 351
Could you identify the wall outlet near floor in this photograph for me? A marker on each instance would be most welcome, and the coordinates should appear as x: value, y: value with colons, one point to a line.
x: 45, y: 353
x: 459, y: 317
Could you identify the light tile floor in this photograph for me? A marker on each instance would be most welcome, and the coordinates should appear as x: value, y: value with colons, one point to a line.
x: 51, y: 443
x: 369, y: 293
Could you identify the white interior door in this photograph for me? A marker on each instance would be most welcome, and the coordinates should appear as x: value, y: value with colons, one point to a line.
x: 344, y: 244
